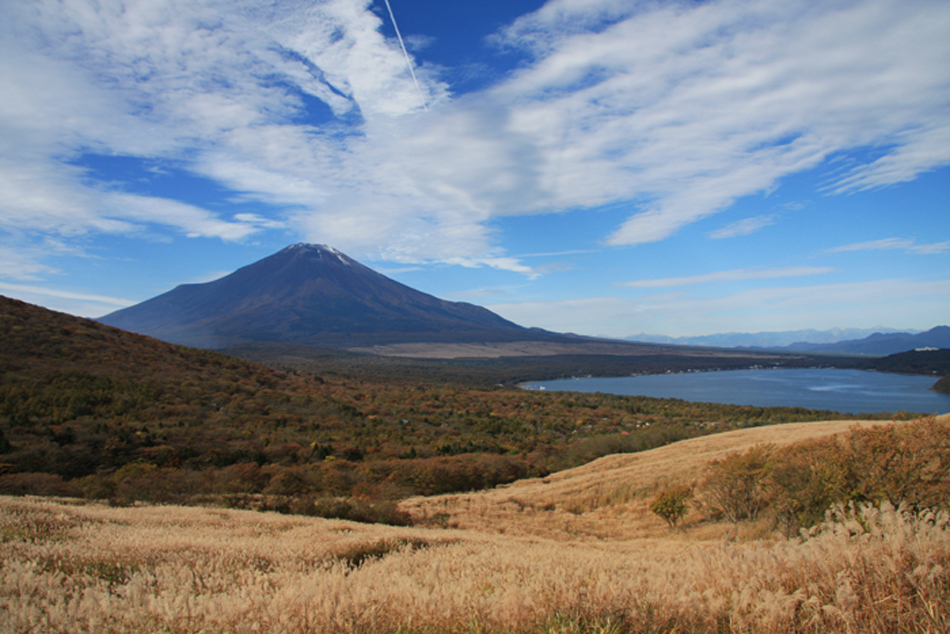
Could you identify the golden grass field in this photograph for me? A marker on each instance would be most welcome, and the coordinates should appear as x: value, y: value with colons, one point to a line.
x: 577, y: 551
x: 609, y: 498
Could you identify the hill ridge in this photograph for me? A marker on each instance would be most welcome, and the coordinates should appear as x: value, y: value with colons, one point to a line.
x: 580, y: 503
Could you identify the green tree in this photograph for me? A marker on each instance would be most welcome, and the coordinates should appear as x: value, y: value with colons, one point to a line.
x: 672, y: 504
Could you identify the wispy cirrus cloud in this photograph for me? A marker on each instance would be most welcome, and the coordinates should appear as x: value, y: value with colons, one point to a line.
x: 890, y: 244
x: 23, y: 264
x: 84, y: 304
x: 729, y: 276
x: 682, y: 109
x: 52, y: 292
x: 475, y: 293
x: 743, y: 227
x: 930, y: 249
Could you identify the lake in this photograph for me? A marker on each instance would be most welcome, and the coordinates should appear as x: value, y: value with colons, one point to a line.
x: 850, y: 391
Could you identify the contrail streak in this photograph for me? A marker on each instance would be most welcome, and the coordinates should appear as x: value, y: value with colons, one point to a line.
x: 406, y: 53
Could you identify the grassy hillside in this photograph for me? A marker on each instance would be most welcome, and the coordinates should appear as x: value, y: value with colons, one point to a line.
x: 610, y: 498
x: 572, y: 553
x: 90, y: 410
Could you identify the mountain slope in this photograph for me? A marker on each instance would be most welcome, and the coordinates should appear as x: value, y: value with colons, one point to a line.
x: 882, y: 344
x: 314, y: 295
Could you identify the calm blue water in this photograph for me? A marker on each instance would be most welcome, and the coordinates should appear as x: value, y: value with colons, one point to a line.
x: 851, y: 391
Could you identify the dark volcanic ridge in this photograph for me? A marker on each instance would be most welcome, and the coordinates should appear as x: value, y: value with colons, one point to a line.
x: 314, y: 295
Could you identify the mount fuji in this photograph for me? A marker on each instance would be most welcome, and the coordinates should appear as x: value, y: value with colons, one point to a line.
x: 313, y: 295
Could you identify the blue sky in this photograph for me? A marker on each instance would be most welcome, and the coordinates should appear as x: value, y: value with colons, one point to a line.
x: 603, y: 167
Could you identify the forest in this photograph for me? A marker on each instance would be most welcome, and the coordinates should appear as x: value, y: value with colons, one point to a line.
x: 92, y: 411
x: 933, y: 362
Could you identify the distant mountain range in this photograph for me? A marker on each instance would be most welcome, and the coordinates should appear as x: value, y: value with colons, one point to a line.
x: 883, y: 341
x: 773, y: 339
x: 314, y: 295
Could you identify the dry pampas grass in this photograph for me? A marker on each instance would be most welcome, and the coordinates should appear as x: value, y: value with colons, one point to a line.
x: 164, y: 569
x: 67, y: 567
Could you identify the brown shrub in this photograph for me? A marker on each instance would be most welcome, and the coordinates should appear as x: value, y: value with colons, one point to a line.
x: 899, y: 464
x: 735, y: 483
x: 38, y: 484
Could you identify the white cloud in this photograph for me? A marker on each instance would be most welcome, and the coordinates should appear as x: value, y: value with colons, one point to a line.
x: 687, y: 108
x: 479, y: 292
x: 889, y: 244
x: 85, y: 304
x: 743, y: 227
x: 213, y: 85
x: 193, y: 221
x: 23, y: 263
x: 501, y: 263
x: 930, y: 249
x: 672, y: 109
x: 729, y: 276
x: 49, y: 292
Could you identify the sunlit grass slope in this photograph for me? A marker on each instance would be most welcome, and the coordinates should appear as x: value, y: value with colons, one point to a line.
x: 609, y: 498
x: 575, y: 552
